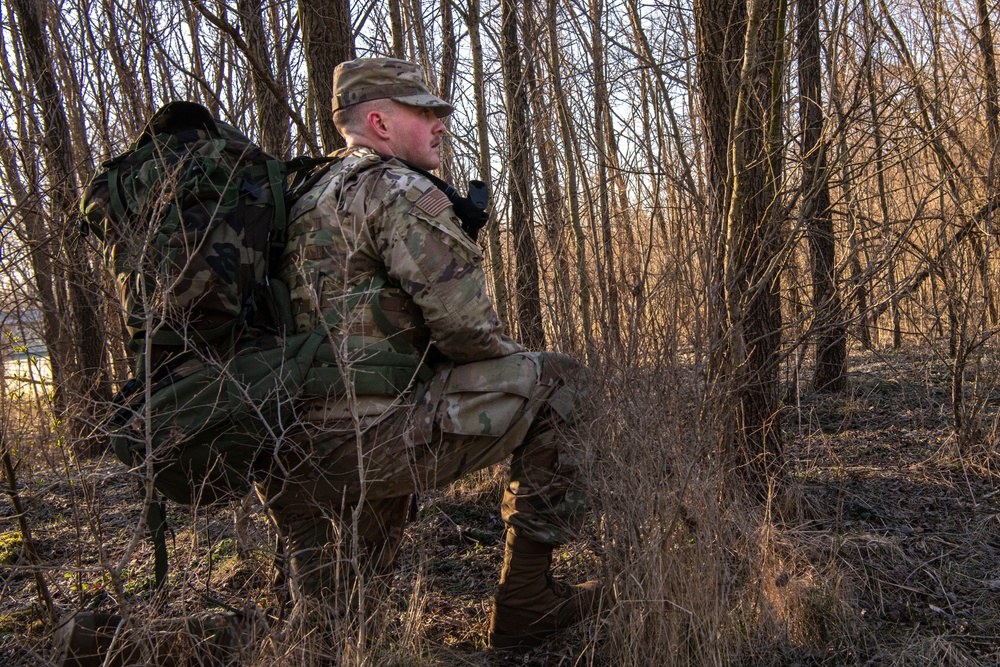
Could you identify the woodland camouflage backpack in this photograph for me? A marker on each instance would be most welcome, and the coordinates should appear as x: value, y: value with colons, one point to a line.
x: 190, y: 217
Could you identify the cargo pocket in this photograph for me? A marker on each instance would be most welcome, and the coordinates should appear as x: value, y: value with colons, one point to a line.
x: 483, y: 398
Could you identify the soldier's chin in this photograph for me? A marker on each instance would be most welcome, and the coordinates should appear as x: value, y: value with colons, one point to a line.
x: 431, y: 163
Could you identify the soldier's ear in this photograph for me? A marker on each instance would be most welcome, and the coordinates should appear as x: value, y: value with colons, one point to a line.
x: 378, y: 123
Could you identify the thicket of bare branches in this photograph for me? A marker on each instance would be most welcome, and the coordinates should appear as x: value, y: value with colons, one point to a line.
x: 723, y: 196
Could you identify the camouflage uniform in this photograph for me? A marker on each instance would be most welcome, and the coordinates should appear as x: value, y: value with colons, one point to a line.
x: 476, y: 396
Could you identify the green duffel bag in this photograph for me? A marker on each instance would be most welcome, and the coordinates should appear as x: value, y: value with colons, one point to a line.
x: 207, y: 420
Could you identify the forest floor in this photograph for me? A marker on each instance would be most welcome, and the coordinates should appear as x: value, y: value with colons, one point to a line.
x: 910, y: 520
x: 912, y: 513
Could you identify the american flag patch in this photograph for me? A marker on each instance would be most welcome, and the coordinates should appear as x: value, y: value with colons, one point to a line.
x: 433, y: 202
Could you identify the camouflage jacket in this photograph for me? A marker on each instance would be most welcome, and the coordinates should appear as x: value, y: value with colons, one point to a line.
x: 371, y: 217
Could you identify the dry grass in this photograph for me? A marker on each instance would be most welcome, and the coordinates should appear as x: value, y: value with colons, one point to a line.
x: 881, y: 549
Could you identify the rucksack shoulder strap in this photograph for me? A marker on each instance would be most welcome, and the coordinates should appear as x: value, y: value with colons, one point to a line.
x: 304, y: 173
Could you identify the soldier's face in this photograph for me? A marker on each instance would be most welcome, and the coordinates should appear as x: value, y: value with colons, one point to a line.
x: 416, y: 134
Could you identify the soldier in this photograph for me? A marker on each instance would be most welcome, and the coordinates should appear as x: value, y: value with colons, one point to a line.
x: 429, y: 388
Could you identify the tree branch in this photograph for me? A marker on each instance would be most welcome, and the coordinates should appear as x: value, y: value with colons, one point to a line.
x: 259, y: 69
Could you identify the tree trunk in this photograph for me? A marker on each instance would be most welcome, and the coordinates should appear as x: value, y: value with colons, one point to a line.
x: 553, y: 213
x: 719, y: 50
x: 396, y: 25
x: 418, y: 37
x: 40, y: 250
x: 81, y: 338
x: 601, y: 111
x: 572, y: 183
x: 746, y: 292
x: 272, y: 119
x: 828, y: 327
x: 860, y: 282
x: 327, y: 41
x: 529, y: 312
x: 992, y: 132
x: 129, y: 101
x: 990, y: 86
x: 498, y: 274
x: 446, y: 82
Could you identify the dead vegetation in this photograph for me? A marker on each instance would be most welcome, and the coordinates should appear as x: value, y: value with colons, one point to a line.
x: 882, y: 548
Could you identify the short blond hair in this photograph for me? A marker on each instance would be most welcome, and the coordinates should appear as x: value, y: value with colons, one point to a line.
x: 352, y: 121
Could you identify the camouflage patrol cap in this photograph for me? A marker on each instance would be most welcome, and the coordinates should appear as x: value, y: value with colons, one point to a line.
x: 365, y: 79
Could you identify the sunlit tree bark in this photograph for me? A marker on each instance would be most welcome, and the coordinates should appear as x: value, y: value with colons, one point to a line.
x: 815, y: 211
x: 529, y: 312
x: 736, y: 104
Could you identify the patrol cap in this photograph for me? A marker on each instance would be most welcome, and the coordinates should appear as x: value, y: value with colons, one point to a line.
x: 366, y: 79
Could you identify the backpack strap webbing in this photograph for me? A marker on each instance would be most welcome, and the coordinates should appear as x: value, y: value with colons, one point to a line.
x: 115, y: 194
x: 381, y: 371
x: 156, y: 521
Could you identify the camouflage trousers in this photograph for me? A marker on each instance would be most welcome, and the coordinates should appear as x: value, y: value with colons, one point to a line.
x: 339, y: 491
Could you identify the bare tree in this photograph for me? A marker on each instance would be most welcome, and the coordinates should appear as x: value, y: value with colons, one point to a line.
x: 269, y: 94
x: 396, y: 23
x: 566, y: 133
x: 986, y: 48
x: 499, y: 280
x: 77, y: 339
x: 446, y: 79
x: 529, y: 312
x: 831, y: 337
x: 553, y: 222
x: 602, y: 122
x: 736, y: 105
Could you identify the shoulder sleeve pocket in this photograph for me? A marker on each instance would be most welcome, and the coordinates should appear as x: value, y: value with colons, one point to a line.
x: 451, y: 229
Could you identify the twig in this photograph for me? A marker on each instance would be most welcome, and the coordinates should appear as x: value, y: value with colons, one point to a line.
x: 22, y: 521
x: 257, y: 66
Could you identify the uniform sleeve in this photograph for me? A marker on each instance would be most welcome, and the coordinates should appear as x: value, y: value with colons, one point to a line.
x: 426, y: 251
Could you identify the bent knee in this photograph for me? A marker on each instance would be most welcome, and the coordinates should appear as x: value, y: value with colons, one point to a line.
x: 556, y: 367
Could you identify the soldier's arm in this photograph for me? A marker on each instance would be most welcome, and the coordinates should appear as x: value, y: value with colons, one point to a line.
x: 427, y: 252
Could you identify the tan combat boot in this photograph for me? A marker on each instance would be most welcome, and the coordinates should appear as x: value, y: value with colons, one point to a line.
x: 530, y: 605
